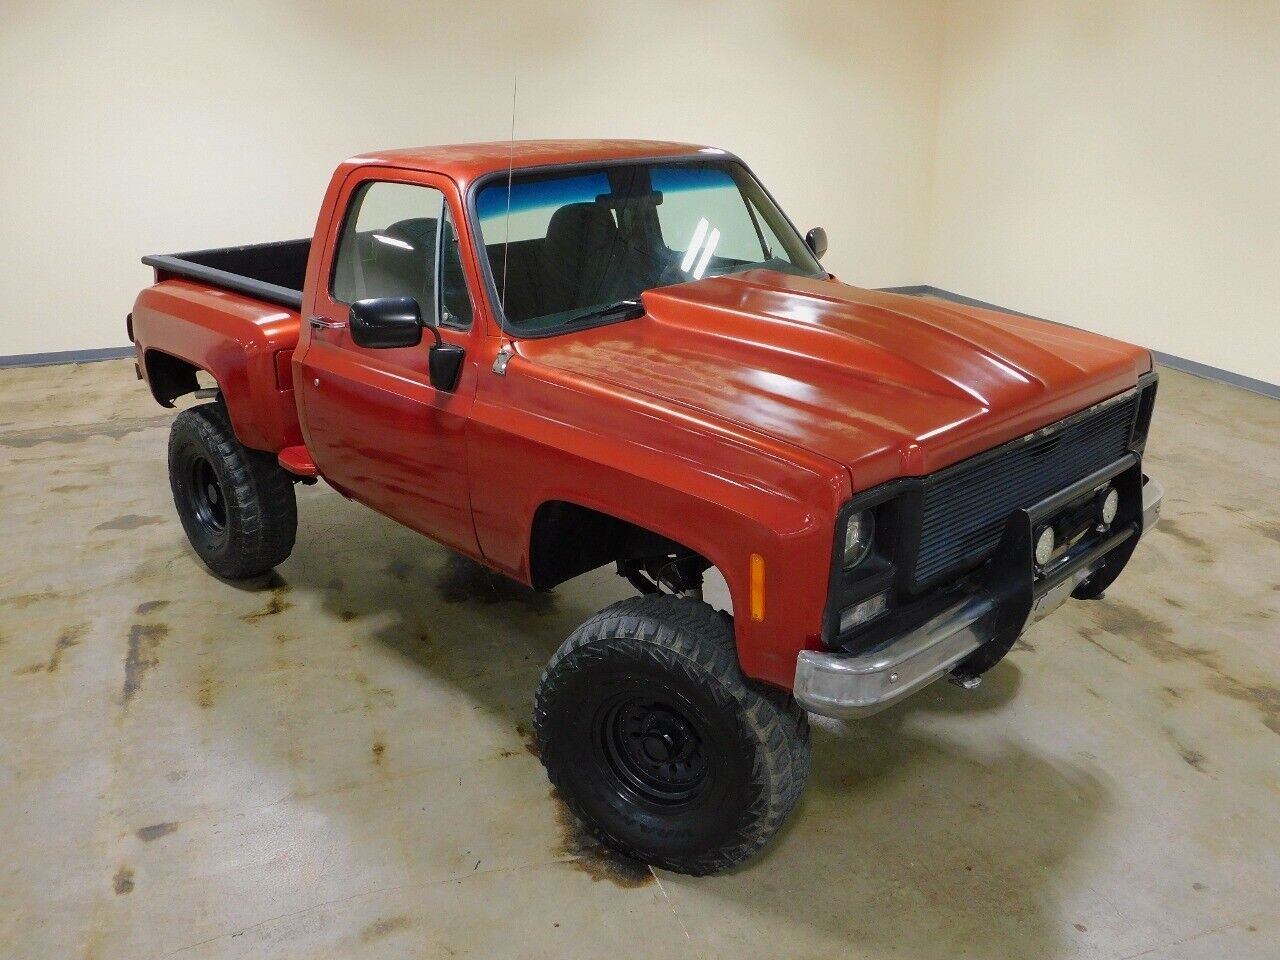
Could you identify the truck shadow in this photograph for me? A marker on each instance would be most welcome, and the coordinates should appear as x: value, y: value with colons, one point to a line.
x: 928, y: 830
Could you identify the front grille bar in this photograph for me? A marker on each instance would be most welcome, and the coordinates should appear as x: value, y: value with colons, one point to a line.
x: 963, y: 508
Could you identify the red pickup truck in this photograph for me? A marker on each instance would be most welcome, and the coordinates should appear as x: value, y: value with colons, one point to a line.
x: 552, y: 356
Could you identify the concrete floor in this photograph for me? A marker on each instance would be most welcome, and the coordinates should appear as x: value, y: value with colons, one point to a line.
x: 336, y: 762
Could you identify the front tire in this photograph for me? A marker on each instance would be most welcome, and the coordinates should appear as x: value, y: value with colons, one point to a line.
x: 236, y: 505
x: 660, y: 745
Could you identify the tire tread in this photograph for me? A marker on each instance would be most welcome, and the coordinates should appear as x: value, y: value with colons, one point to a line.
x: 259, y: 491
x: 690, y: 637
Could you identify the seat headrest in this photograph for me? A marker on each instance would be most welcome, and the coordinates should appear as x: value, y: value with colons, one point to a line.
x: 409, y: 257
x: 577, y: 229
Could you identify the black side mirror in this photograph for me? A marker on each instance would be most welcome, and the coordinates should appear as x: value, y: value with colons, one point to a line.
x: 817, y: 241
x: 382, y: 322
x: 385, y: 322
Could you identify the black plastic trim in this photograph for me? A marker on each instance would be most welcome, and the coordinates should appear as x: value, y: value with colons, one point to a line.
x: 176, y: 265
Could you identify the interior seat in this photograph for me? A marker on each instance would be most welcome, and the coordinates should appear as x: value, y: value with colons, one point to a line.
x: 582, y: 256
x: 403, y: 262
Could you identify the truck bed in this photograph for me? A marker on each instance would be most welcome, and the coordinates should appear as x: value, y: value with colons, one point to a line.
x: 273, y: 272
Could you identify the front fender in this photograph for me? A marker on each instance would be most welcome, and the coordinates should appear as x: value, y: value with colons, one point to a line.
x: 538, y: 435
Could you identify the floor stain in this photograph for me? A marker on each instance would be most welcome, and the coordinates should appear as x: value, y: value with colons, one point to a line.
x: 1262, y: 697
x: 530, y: 741
x: 595, y: 859
x: 1151, y: 634
x: 144, y: 645
x: 67, y: 639
x: 208, y: 687
x: 122, y: 882
x: 379, y: 751
x: 20, y: 601
x: 383, y: 927
x: 129, y: 521
x: 114, y: 429
x: 276, y: 605
x: 1266, y: 528
x: 1155, y: 636
x: 1192, y: 758
x: 1091, y: 636
x: 1173, y: 528
x: 156, y: 831
x: 151, y: 606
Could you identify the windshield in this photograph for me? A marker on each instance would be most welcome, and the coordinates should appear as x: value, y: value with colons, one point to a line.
x: 578, y: 242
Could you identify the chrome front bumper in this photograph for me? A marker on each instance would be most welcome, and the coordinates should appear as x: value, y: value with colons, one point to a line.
x: 847, y: 686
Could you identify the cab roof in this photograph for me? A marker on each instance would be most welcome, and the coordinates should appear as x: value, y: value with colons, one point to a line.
x: 468, y: 161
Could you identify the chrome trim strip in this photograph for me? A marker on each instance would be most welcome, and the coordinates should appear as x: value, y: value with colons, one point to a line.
x: 839, y: 685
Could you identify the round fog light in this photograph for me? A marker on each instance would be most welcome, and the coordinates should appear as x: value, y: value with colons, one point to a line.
x: 1044, y: 546
x: 1110, y: 505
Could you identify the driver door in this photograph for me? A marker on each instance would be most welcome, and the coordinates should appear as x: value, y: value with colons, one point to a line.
x: 377, y: 429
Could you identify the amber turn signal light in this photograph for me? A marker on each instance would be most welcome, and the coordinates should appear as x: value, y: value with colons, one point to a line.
x: 757, y: 587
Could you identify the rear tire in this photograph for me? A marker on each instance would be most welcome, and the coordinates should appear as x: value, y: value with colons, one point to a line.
x: 660, y: 745
x: 236, y: 505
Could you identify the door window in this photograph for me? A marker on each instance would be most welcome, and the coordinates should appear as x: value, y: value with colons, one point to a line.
x: 388, y: 245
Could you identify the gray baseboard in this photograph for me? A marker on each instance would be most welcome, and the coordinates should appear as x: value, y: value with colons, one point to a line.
x: 65, y: 356
x: 1193, y: 367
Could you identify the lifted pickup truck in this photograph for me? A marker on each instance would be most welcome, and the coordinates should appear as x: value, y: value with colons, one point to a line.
x: 552, y: 356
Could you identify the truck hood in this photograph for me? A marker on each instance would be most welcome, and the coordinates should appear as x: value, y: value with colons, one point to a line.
x: 886, y: 384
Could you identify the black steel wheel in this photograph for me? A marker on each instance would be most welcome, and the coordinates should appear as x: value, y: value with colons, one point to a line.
x: 653, y: 749
x: 660, y: 745
x: 206, y: 501
x: 236, y: 505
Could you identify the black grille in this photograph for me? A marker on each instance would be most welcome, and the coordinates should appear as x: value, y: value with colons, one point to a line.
x: 965, y: 507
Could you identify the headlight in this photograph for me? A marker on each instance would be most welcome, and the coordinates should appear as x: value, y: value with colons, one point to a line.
x: 858, y: 533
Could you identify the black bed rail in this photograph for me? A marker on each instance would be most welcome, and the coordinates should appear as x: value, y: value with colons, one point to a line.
x: 263, y: 257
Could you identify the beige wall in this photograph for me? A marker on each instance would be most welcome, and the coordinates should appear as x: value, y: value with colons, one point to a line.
x: 1116, y: 166
x: 1109, y: 164
x: 132, y: 128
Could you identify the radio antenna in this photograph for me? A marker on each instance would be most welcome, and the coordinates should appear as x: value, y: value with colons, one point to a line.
x: 511, y: 160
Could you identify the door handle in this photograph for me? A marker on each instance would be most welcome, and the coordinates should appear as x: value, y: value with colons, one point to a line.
x: 320, y: 323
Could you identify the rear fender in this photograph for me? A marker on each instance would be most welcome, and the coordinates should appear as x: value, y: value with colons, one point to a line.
x: 245, y: 345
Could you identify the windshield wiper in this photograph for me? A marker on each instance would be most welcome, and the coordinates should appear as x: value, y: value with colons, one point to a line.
x: 628, y: 309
